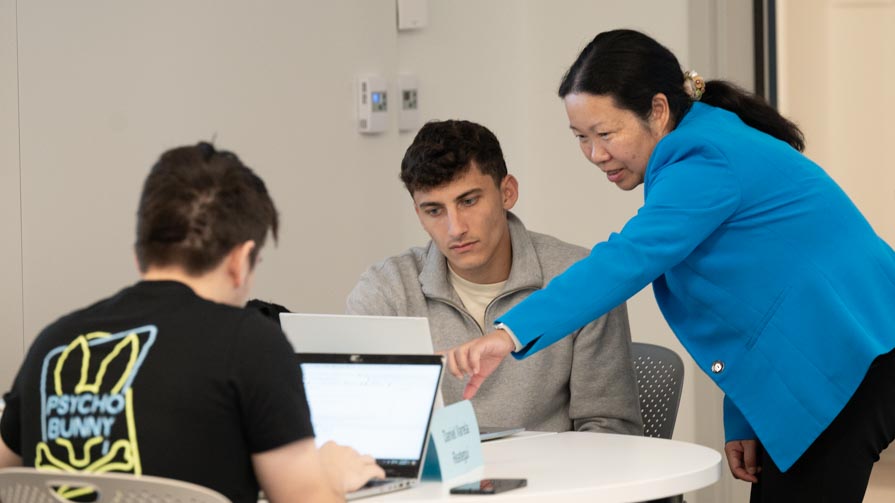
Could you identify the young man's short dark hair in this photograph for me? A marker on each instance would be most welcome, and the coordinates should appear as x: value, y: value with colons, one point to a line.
x: 197, y: 204
x: 444, y: 150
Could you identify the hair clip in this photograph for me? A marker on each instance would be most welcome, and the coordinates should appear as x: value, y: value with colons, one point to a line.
x: 694, y: 85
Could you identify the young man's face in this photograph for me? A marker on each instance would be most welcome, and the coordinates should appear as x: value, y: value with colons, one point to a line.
x: 467, y: 220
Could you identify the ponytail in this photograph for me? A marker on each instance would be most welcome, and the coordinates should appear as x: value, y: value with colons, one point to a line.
x: 754, y: 111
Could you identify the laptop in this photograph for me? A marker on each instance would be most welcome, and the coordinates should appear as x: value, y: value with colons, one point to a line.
x: 344, y: 333
x: 380, y: 405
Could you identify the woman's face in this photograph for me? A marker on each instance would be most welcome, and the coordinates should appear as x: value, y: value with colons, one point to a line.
x: 615, y: 139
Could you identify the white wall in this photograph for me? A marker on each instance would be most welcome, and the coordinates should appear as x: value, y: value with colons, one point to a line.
x: 11, y: 334
x: 105, y: 86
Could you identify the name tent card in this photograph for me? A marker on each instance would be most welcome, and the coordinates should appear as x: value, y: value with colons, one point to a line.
x: 454, y: 444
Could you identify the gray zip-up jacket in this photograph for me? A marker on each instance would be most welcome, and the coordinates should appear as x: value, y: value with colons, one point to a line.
x: 583, y: 382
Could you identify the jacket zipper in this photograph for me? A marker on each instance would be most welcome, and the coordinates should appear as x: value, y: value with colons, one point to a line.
x: 465, y: 313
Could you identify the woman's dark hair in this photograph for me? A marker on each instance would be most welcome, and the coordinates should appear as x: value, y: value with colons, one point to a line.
x: 197, y: 204
x: 632, y: 68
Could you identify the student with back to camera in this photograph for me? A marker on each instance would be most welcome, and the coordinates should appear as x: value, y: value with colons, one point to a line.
x: 171, y: 376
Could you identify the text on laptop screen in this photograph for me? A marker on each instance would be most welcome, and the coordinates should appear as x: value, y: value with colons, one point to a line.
x: 378, y: 409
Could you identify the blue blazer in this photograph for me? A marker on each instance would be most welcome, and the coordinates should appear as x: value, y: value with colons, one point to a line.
x: 765, y: 270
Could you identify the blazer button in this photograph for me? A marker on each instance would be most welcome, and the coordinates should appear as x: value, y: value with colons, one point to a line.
x: 717, y: 366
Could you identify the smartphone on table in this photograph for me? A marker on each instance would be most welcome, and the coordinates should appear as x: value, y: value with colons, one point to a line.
x: 489, y: 486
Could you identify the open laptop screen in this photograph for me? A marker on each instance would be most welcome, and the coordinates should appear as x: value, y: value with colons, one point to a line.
x: 378, y: 404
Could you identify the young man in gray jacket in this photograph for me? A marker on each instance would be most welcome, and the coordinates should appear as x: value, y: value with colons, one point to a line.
x: 480, y: 263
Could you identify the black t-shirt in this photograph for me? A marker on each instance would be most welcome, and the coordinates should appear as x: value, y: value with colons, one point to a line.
x: 158, y: 381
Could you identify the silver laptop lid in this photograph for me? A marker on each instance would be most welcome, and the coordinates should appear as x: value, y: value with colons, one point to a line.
x: 334, y: 333
x: 380, y: 405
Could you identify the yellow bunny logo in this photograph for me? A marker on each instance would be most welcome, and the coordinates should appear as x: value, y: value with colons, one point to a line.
x: 87, y: 403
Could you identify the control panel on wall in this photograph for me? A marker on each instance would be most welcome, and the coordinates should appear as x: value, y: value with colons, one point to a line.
x: 408, y: 113
x: 372, y: 104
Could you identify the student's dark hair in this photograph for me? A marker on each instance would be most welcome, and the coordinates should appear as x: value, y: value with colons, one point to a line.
x: 632, y: 68
x: 197, y: 204
x: 445, y: 150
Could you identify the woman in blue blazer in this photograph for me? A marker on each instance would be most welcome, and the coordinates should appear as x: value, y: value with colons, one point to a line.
x: 765, y: 270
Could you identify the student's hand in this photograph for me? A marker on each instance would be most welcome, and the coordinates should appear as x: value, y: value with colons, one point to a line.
x: 348, y: 469
x: 478, y: 358
x: 742, y: 457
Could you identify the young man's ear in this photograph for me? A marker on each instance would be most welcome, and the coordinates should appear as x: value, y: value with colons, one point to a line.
x: 509, y: 191
x: 239, y: 263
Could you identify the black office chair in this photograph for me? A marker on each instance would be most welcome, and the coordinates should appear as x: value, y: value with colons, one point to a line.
x: 660, y: 379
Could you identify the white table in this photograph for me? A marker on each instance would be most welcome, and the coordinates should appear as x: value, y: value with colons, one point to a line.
x: 578, y: 466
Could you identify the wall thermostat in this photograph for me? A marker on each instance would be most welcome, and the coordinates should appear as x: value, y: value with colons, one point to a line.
x: 372, y: 104
x: 409, y: 111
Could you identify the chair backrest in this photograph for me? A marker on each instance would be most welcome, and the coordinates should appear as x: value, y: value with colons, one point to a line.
x: 660, y: 378
x: 27, y: 485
